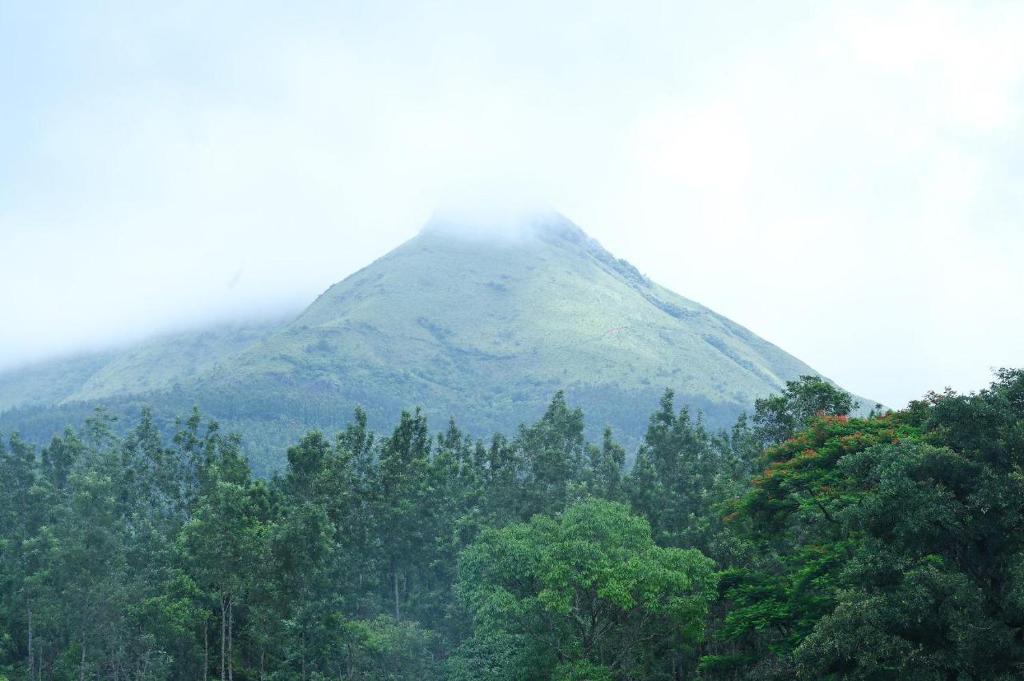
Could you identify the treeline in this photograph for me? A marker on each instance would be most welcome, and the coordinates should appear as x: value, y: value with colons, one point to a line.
x: 800, y: 544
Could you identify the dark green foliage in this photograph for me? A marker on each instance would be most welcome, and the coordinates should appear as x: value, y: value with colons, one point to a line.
x: 889, y: 547
x: 683, y: 471
x: 779, y: 417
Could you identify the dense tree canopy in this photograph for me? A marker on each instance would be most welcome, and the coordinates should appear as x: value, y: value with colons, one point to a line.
x: 574, y: 596
x: 779, y: 417
x: 803, y: 543
x: 889, y: 548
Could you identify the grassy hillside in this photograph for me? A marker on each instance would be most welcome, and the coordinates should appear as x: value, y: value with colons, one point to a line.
x: 485, y: 330
x: 488, y: 330
x: 50, y: 382
x: 167, y: 361
x: 153, y: 365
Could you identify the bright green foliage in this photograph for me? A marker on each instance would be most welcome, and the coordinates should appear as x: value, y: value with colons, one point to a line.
x: 385, y: 650
x: 576, y: 592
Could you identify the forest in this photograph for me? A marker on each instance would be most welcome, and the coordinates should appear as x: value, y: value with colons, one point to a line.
x: 802, y: 543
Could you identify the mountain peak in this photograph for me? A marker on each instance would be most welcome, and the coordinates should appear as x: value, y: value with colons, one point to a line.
x: 504, y: 225
x: 481, y: 317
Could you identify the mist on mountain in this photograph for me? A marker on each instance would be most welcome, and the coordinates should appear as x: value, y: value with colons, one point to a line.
x: 481, y: 317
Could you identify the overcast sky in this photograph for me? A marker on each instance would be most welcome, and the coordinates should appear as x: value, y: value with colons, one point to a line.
x: 847, y: 182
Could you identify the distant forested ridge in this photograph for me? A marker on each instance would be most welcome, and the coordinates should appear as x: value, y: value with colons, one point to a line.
x: 799, y: 544
x: 484, y: 330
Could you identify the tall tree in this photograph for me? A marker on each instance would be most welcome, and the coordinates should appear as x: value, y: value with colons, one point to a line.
x: 673, y: 480
x: 223, y: 540
x: 401, y: 496
x: 554, y: 453
x: 779, y: 417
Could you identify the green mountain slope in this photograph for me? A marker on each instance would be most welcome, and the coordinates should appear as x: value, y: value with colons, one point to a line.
x: 166, y: 361
x: 49, y: 382
x: 153, y: 365
x: 485, y: 330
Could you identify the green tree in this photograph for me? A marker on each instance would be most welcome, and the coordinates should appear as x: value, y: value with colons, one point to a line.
x: 554, y: 453
x: 224, y: 540
x: 400, y: 500
x: 604, y: 469
x: 674, y: 479
x: 886, y: 548
x: 779, y: 417
x: 382, y: 649
x: 585, y: 590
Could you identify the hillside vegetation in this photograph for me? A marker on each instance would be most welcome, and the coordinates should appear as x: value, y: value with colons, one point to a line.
x: 802, y: 544
x: 480, y: 329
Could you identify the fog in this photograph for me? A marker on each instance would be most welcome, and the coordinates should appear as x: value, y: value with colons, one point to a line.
x: 847, y: 182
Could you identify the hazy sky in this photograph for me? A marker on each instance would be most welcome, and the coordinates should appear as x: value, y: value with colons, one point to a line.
x: 847, y: 179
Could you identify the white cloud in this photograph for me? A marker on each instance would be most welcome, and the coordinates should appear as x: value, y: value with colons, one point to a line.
x: 845, y: 181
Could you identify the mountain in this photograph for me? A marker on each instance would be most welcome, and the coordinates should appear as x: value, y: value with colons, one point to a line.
x: 155, y: 365
x: 482, y: 329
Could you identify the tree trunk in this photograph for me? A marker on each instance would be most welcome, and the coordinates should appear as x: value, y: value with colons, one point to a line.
x: 81, y: 662
x: 231, y: 622
x: 31, y: 660
x: 206, y: 647
x: 223, y: 634
x: 398, y: 611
